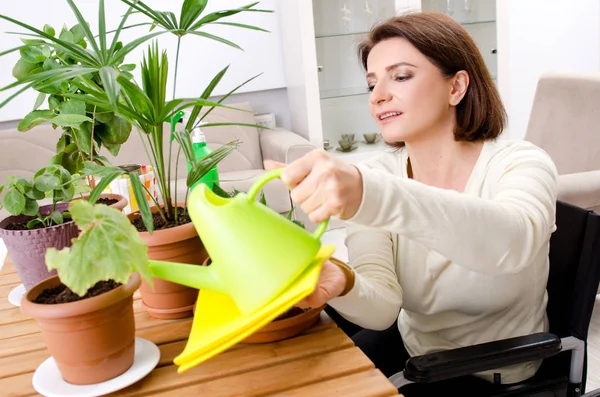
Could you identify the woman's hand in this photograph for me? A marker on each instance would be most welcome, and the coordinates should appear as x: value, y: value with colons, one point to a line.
x: 332, y: 282
x: 322, y: 185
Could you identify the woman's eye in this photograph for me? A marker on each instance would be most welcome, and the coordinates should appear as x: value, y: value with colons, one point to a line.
x: 370, y: 88
x: 402, y: 77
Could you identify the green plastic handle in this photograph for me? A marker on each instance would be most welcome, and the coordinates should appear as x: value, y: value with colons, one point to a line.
x: 269, y: 176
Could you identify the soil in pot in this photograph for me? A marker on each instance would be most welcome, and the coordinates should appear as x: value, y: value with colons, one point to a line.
x: 159, y: 222
x: 173, y: 243
x: 62, y: 294
x: 91, y: 338
x: 106, y: 201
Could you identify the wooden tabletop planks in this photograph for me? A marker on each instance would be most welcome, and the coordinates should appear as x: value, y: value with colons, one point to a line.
x: 322, y: 361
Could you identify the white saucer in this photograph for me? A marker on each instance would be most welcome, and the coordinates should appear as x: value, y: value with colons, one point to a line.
x: 48, y: 381
x: 15, y: 295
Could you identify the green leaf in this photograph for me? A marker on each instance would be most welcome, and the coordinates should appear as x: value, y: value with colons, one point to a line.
x: 14, y: 202
x: 112, y: 148
x: 31, y: 207
x: 109, y: 75
x: 56, y: 217
x: 225, y: 13
x: 23, y: 68
x: 67, y: 36
x: 78, y: 33
x: 84, y: 25
x: 102, y: 27
x: 228, y: 94
x: 127, y: 67
x: 102, y: 184
x: 263, y: 199
x: 46, y: 183
x: 104, y: 116
x: 49, y: 30
x: 72, y: 106
x: 39, y: 100
x: 33, y: 54
x: 70, y: 120
x: 117, y: 131
x: 185, y: 141
x: 241, y: 25
x: 218, y: 190
x: 140, y: 196
x: 216, y: 38
x: 108, y: 247
x: 32, y: 223
x: 34, y: 194
x: 203, y: 166
x: 205, y: 94
x: 190, y: 11
x: 35, y: 118
x: 54, y: 102
x: 93, y: 169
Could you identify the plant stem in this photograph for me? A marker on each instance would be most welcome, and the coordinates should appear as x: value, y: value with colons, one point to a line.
x: 92, y: 181
x: 175, y: 198
x: 176, y: 66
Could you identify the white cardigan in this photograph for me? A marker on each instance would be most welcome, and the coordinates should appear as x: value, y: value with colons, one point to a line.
x: 454, y: 269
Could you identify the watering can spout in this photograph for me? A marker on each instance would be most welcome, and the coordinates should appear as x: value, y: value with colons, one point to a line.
x: 193, y: 276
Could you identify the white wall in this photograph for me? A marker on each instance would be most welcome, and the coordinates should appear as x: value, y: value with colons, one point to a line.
x: 538, y: 36
x: 200, y: 58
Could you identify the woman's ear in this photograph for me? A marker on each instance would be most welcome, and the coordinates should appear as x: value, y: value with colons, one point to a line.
x: 458, y: 89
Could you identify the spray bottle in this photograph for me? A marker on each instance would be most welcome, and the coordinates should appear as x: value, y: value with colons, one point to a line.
x: 201, y: 150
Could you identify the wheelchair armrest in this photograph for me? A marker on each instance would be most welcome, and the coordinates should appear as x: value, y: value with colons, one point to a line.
x: 472, y: 359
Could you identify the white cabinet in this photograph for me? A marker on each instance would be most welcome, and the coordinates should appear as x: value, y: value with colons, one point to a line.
x: 327, y: 91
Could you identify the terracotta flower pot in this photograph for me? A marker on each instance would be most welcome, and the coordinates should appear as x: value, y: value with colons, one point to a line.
x: 91, y: 340
x: 120, y: 204
x: 286, y: 328
x: 178, y: 244
x: 27, y: 248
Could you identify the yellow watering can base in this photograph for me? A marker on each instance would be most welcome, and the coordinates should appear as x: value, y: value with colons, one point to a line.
x: 219, y: 324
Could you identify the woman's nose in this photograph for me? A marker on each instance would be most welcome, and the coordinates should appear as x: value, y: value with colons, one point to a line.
x: 380, y: 94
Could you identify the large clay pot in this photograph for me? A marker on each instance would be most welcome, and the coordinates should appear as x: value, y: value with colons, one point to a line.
x: 91, y: 340
x: 178, y: 244
x: 27, y: 248
x: 120, y: 204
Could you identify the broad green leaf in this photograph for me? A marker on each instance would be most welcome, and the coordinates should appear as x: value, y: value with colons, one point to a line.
x: 34, y: 194
x: 23, y: 68
x: 72, y: 106
x: 33, y: 54
x: 112, y: 148
x: 14, y: 202
x: 31, y: 207
x: 93, y: 169
x: 56, y: 217
x: 67, y: 36
x: 35, y: 118
x: 39, y: 100
x: 49, y: 30
x: 127, y: 67
x: 78, y: 33
x: 50, y: 64
x: 32, y: 223
x: 104, y: 116
x: 140, y: 197
x: 53, y: 102
x: 46, y: 183
x: 117, y: 131
x: 70, y: 120
x: 108, y: 247
x: 23, y: 184
x: 109, y: 75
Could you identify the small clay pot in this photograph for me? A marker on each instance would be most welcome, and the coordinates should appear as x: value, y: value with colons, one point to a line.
x: 91, y: 340
x: 180, y: 244
x: 27, y: 248
x: 120, y: 204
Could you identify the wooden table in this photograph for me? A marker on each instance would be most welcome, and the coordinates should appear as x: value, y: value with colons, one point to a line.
x: 321, y: 362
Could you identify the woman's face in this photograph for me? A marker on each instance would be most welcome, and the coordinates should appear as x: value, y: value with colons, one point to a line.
x: 410, y: 98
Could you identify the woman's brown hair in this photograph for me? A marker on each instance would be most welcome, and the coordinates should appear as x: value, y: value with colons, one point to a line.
x: 480, y: 115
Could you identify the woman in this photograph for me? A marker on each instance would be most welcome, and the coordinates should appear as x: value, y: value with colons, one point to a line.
x: 448, y: 236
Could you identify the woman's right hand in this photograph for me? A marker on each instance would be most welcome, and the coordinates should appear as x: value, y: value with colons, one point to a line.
x: 323, y: 185
x: 332, y: 283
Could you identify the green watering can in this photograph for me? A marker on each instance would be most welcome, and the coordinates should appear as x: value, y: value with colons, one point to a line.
x: 255, y: 252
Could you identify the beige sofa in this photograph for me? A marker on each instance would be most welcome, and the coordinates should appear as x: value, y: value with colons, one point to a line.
x: 23, y: 153
x: 565, y: 122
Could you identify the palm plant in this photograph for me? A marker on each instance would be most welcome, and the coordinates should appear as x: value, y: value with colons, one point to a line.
x: 146, y: 106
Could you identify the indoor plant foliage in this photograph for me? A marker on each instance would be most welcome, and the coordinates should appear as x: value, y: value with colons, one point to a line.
x: 99, y: 78
x: 33, y: 227
x: 96, y: 279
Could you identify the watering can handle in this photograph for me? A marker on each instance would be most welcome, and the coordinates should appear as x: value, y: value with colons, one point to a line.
x: 273, y: 174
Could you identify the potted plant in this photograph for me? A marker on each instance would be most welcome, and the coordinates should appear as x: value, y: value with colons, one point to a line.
x: 96, y: 279
x: 165, y: 227
x: 296, y: 319
x: 85, y: 128
x: 32, y: 228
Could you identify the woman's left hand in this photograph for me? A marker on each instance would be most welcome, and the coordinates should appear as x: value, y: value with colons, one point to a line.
x: 322, y: 185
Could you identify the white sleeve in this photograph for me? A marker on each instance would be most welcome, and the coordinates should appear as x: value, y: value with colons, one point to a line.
x: 375, y: 300
x: 491, y: 236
